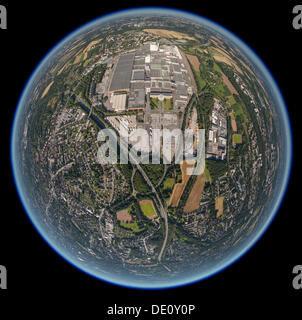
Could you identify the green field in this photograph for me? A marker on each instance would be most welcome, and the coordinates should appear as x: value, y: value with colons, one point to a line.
x: 238, y: 109
x: 207, y: 175
x: 154, y: 103
x: 168, y: 183
x: 237, y: 138
x: 131, y: 225
x: 231, y: 100
x: 168, y: 104
x: 222, y: 90
x: 216, y: 67
x: 147, y: 208
x: 200, y: 81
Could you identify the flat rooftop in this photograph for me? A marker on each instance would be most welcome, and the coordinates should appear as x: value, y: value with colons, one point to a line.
x: 123, y: 72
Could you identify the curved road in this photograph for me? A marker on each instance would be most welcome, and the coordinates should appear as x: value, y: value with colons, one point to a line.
x: 134, y: 160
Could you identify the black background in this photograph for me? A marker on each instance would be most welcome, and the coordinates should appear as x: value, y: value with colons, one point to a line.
x: 261, y: 281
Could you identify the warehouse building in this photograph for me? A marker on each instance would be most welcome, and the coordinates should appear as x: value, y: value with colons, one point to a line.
x: 122, y: 73
x: 152, y: 69
x: 118, y: 102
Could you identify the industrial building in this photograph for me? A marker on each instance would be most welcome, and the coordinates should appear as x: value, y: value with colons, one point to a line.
x: 118, y: 101
x: 122, y: 73
x: 217, y: 143
x: 155, y: 70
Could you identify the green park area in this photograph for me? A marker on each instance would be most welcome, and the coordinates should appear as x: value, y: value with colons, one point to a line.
x: 154, y: 103
x: 231, y: 99
x: 237, y: 138
x: 147, y: 208
x: 207, y: 175
x: 199, y: 80
x: 168, y: 183
x: 168, y: 104
x: 130, y: 225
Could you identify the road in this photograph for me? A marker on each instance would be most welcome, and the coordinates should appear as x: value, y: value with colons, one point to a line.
x: 135, y: 160
x: 162, y: 210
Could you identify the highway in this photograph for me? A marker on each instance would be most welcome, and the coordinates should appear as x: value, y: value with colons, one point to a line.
x: 134, y: 159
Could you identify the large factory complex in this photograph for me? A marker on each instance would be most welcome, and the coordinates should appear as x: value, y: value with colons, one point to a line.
x: 158, y: 80
x: 152, y: 71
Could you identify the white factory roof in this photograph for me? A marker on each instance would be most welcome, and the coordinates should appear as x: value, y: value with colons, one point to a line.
x: 153, y: 47
x: 118, y: 102
x: 147, y: 59
x: 210, y: 135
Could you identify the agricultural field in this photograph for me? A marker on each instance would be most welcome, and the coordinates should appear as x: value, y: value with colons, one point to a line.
x: 180, y: 187
x: 83, y: 55
x: 169, y: 34
x: 46, y: 90
x: 221, y: 56
x: 219, y: 206
x: 195, y: 195
x: 194, y: 61
x: 228, y: 84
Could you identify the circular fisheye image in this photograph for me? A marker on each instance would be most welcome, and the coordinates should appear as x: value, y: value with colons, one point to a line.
x: 111, y: 127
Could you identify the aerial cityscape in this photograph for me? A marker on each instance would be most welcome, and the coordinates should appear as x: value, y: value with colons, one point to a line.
x: 149, y: 221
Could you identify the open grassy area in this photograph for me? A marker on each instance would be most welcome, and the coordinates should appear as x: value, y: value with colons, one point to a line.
x: 154, y: 103
x: 216, y: 67
x: 168, y: 183
x: 168, y: 104
x: 207, y: 175
x: 231, y: 100
x: 238, y: 109
x: 148, y: 208
x: 237, y: 138
x: 131, y: 225
x: 222, y: 90
x: 200, y: 81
